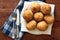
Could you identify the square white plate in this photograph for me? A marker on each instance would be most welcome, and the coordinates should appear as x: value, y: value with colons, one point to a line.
x: 36, y: 31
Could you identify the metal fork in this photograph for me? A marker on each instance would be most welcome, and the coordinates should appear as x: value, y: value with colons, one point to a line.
x: 14, y: 19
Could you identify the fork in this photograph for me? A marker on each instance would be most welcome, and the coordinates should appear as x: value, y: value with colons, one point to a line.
x: 13, y: 29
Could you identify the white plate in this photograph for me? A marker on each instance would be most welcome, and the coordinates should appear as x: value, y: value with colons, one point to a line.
x: 36, y: 31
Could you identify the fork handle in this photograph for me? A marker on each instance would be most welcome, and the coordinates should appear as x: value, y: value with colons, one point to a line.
x: 17, y: 32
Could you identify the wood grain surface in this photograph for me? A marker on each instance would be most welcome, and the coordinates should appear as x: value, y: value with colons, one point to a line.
x: 7, y: 6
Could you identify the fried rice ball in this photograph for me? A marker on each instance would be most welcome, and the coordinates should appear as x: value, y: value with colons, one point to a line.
x: 45, y: 8
x: 28, y: 15
x: 35, y: 7
x: 38, y: 16
x: 31, y: 25
x: 42, y: 26
x: 49, y: 19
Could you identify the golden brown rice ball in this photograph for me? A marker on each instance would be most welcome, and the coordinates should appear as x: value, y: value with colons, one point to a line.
x: 49, y: 19
x: 38, y: 16
x: 28, y: 15
x: 31, y: 25
x: 35, y: 7
x: 45, y: 8
x: 42, y: 26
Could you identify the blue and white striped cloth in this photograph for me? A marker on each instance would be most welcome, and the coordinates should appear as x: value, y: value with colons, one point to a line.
x: 7, y: 27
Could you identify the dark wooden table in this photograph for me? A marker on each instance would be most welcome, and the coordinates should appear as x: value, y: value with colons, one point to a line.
x: 7, y: 6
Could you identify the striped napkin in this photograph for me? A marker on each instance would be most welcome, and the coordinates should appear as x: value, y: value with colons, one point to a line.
x: 7, y: 27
